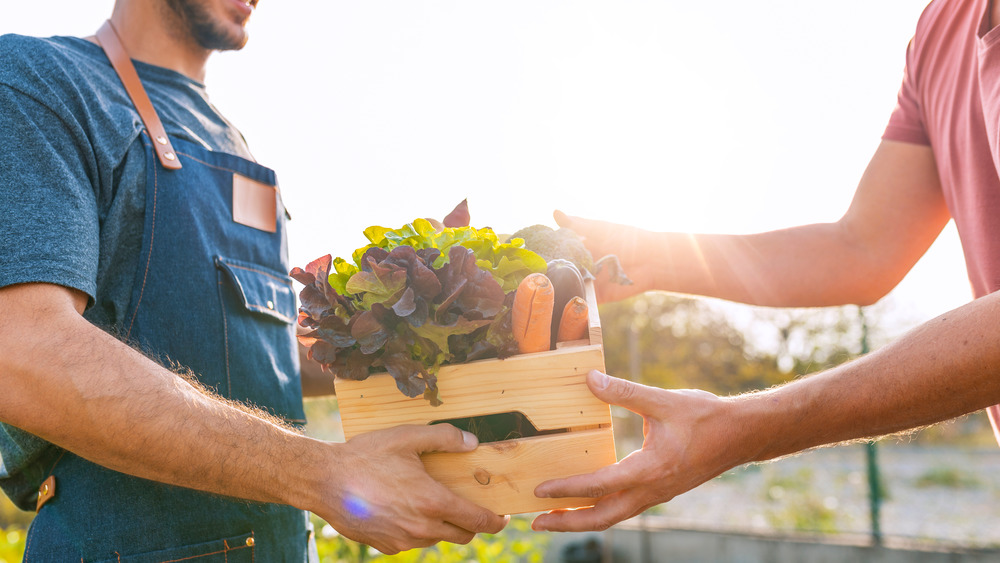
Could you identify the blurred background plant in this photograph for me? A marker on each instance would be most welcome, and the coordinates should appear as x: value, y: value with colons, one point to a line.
x: 515, y: 544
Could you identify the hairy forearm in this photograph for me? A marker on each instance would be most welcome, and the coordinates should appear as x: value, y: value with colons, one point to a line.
x: 801, y: 266
x: 897, y: 212
x: 945, y: 368
x: 80, y: 388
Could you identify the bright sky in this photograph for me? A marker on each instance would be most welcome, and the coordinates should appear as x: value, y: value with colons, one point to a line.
x: 693, y: 116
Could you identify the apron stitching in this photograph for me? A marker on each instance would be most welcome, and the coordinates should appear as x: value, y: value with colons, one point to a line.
x: 276, y: 188
x: 27, y: 546
x: 149, y: 256
x: 225, y: 333
x: 262, y: 272
x: 285, y: 318
x: 206, y: 554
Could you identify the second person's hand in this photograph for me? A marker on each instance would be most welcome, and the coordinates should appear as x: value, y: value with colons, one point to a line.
x: 634, y: 247
x: 688, y: 439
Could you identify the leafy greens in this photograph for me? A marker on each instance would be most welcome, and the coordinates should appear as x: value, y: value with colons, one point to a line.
x: 412, y: 300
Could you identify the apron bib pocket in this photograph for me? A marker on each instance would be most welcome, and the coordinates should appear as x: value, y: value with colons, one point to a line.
x: 259, y: 310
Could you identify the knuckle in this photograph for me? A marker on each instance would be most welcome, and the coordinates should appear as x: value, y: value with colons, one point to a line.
x: 481, y: 522
x: 464, y: 538
x: 454, y: 434
x: 434, y: 508
x: 422, y: 533
x: 603, y: 524
x: 594, y: 490
x: 625, y: 389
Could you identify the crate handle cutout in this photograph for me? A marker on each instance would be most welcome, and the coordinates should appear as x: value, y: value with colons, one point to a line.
x: 498, y: 427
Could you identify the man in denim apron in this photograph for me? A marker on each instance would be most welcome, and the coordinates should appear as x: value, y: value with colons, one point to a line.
x: 138, y: 232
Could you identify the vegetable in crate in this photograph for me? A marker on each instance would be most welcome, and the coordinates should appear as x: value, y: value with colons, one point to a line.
x: 413, y: 299
x: 565, y: 244
x: 531, y: 317
x: 567, y: 281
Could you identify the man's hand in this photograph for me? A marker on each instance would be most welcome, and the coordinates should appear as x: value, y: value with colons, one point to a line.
x: 382, y: 495
x: 631, y: 245
x: 112, y: 402
x: 687, y: 440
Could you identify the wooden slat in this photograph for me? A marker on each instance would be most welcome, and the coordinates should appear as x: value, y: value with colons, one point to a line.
x: 596, y: 338
x: 549, y: 388
x: 502, y: 476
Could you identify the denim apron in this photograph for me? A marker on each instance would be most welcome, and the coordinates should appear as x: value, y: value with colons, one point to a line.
x: 213, y: 296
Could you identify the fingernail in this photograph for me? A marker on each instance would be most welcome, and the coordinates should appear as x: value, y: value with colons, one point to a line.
x: 599, y: 380
x: 470, y: 440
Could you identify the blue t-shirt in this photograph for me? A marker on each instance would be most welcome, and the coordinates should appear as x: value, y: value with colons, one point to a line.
x: 72, y: 186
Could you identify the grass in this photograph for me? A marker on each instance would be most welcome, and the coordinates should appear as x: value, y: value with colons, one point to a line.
x: 948, y: 477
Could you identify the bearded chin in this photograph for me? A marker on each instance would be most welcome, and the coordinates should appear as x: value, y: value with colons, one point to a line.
x: 195, y: 21
x: 216, y: 38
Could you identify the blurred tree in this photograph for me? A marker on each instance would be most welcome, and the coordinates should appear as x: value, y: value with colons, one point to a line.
x: 683, y: 343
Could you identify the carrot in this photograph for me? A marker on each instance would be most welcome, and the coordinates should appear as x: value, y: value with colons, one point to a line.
x: 531, y: 314
x: 574, y: 323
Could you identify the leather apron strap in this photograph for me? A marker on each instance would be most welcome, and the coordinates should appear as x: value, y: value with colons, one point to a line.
x: 112, y: 45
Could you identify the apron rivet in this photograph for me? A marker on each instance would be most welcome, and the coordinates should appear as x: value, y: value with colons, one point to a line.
x: 270, y: 305
x: 161, y: 139
x: 169, y: 156
x: 250, y: 542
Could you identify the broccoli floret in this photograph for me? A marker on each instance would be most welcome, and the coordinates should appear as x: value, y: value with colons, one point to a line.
x: 565, y: 244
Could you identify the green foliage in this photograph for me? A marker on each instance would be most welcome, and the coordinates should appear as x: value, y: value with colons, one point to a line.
x: 673, y: 342
x: 949, y: 477
x: 12, y: 515
x: 12, y: 544
x: 515, y: 544
x: 796, y: 506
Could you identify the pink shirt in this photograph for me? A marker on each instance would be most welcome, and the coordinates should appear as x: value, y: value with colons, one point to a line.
x: 950, y: 100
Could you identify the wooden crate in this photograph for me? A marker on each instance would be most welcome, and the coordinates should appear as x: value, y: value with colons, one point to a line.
x: 548, y: 388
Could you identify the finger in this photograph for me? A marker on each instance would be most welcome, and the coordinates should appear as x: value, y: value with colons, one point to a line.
x: 440, y: 438
x: 635, y: 397
x: 627, y: 473
x: 562, y: 219
x: 446, y: 531
x: 583, y: 227
x: 472, y: 517
x: 605, y: 513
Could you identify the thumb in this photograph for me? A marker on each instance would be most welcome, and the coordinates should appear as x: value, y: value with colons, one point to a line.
x: 640, y: 399
x: 562, y: 219
x: 441, y: 438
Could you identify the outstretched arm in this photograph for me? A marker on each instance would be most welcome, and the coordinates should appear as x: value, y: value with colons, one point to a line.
x: 943, y: 369
x: 897, y: 212
x: 107, y: 403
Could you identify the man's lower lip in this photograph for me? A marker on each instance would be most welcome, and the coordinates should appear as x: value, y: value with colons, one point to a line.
x: 245, y: 8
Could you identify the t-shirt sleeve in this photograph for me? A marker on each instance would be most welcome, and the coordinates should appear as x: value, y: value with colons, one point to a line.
x: 49, y: 220
x: 906, y: 123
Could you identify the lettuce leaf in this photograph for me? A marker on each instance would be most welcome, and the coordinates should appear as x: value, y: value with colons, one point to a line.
x: 412, y: 300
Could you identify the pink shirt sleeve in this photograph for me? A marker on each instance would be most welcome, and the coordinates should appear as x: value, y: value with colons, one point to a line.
x: 906, y: 123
